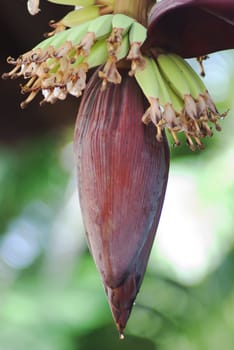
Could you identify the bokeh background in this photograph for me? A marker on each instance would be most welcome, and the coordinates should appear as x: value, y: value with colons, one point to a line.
x: 51, y: 296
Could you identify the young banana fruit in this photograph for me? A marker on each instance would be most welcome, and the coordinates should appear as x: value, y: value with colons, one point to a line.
x: 74, y: 18
x: 198, y: 108
x: 178, y: 99
x: 158, y: 93
x: 137, y: 35
x: 82, y: 3
x: 97, y: 29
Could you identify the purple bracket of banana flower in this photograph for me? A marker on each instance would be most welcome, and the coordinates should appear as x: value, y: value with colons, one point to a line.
x: 122, y: 173
x: 191, y: 28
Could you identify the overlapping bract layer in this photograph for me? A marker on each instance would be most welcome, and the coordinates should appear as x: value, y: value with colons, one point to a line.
x: 122, y: 174
x: 191, y: 28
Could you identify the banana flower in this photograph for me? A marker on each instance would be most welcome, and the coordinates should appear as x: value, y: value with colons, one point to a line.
x: 142, y: 87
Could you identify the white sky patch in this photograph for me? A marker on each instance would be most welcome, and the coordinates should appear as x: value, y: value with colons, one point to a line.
x: 217, y: 74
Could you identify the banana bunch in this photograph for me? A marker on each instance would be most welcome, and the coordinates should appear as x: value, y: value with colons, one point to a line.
x: 58, y: 65
x: 178, y: 98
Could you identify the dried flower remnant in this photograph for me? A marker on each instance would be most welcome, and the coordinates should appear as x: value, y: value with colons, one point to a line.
x: 179, y: 101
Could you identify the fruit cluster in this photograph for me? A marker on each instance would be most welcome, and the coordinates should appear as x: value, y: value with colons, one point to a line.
x: 178, y: 99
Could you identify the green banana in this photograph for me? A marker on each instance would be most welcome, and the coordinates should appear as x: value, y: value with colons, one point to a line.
x: 163, y: 92
x: 101, y: 26
x: 83, y: 3
x: 194, y: 81
x: 76, y: 17
x: 120, y: 26
x: 148, y: 82
x: 56, y: 45
x: 176, y: 101
x: 121, y: 21
x: 206, y: 110
x: 123, y: 50
x: 55, y: 41
x: 98, y: 54
x: 76, y: 34
x: 146, y: 79
x: 110, y: 72
x: 137, y: 33
x: 173, y: 75
x: 177, y: 123
x: 188, y: 119
x: 169, y: 100
x: 97, y: 29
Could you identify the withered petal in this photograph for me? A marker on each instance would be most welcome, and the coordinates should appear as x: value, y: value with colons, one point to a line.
x: 191, y: 28
x: 122, y: 178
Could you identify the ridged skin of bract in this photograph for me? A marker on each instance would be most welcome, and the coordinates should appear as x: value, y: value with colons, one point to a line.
x: 122, y: 178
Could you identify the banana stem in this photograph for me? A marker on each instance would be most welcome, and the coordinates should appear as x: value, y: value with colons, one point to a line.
x: 137, y: 9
